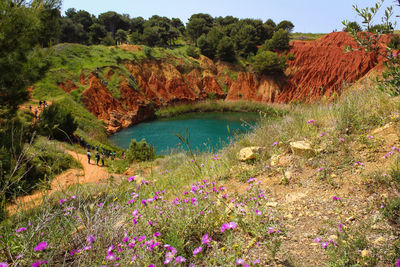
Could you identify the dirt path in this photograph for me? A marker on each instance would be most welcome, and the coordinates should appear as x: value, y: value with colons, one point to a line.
x: 91, y: 173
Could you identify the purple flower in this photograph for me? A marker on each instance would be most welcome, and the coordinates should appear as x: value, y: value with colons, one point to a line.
x: 341, y: 139
x: 317, y: 240
x: 205, y: 239
x: 232, y: 225
x: 271, y: 230
x: 322, y: 134
x: 197, y: 250
x: 324, y: 245
x: 157, y: 234
x: 40, y: 246
x: 91, y: 239
x: 151, y: 265
x: 62, y: 201
x: 310, y: 121
x: 274, y: 143
x: 3, y: 264
x: 336, y: 198
x: 180, y: 259
x: 258, y: 212
x: 340, y: 226
x: 398, y: 263
x: 38, y: 263
x: 110, y: 256
x: 239, y: 262
x: 257, y: 261
x: 132, y: 178
x: 168, y: 260
x: 20, y: 230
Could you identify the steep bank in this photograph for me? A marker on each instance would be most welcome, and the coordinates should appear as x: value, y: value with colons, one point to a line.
x: 123, y: 86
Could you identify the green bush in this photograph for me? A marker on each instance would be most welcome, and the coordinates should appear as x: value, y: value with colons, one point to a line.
x: 140, y: 151
x: 268, y: 62
x: 57, y: 122
x: 191, y: 51
x: 279, y: 41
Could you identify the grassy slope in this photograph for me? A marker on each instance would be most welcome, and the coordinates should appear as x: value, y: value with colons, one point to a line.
x: 177, y: 206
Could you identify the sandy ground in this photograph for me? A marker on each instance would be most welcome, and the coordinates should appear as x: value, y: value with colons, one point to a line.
x: 91, y: 173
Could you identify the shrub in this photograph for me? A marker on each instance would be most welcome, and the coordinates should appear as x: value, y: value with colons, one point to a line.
x: 279, y: 41
x: 268, y: 62
x: 57, y: 122
x: 191, y: 51
x: 140, y: 151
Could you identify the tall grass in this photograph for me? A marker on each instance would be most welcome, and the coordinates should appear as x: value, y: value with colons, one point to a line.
x: 222, y: 106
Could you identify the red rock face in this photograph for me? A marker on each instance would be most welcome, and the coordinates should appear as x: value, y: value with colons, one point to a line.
x: 319, y: 69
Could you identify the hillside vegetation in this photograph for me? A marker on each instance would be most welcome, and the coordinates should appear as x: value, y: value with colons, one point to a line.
x: 337, y: 206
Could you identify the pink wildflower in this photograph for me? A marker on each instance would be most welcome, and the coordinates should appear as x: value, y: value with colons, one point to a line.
x: 205, y: 239
x: 197, y: 250
x: 21, y: 229
x: 41, y: 246
x: 180, y: 259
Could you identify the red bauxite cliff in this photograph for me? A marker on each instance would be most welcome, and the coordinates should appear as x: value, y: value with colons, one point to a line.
x: 319, y: 68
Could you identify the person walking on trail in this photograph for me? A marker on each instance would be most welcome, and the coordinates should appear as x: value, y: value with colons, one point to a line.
x: 102, y: 159
x: 88, y: 156
x: 97, y: 156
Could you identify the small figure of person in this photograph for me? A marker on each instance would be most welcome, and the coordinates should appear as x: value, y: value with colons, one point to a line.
x: 30, y: 108
x: 40, y: 103
x: 112, y: 155
x: 102, y: 159
x: 36, y: 114
x: 88, y: 155
x: 97, y: 156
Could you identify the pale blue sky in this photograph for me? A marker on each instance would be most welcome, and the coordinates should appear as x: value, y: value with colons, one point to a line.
x: 316, y: 16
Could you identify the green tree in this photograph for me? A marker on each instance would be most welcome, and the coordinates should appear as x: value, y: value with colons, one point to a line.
x: 353, y: 26
x: 285, y: 25
x: 246, y: 41
x: 137, y: 25
x: 268, y: 62
x: 20, y: 66
x: 198, y: 25
x: 151, y: 36
x: 226, y: 50
x: 113, y: 21
x: 50, y: 19
x: 72, y: 32
x: 177, y: 23
x: 279, y: 41
x: 271, y: 23
x: 206, y: 48
x: 84, y: 18
x: 96, y: 33
x: 121, y: 36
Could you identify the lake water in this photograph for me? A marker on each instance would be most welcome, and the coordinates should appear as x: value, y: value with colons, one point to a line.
x: 208, y: 131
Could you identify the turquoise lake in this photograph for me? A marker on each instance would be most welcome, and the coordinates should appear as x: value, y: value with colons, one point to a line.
x: 208, y: 131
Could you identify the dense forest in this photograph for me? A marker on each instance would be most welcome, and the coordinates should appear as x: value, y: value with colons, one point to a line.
x: 220, y: 37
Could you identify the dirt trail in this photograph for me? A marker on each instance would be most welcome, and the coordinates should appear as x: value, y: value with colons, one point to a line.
x: 91, y: 173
